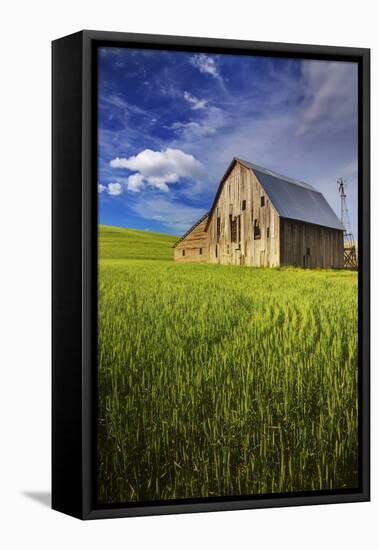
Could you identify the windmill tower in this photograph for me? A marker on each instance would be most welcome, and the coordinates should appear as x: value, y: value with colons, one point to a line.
x: 350, y: 251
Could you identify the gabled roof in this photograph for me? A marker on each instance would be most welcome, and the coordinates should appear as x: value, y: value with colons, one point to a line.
x: 291, y: 198
x: 191, y: 229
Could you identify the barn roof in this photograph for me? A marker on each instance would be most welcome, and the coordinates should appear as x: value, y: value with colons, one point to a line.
x: 291, y: 198
x: 295, y: 199
x: 198, y: 222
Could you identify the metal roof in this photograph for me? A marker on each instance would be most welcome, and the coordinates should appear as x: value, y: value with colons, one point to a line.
x: 295, y: 199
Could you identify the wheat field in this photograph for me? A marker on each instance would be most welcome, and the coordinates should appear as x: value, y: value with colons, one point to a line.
x: 221, y: 380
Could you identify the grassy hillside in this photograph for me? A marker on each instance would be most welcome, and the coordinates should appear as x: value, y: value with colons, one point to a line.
x: 222, y: 380
x: 118, y: 243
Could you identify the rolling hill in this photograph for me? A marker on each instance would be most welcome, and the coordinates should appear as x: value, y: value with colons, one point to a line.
x: 119, y: 243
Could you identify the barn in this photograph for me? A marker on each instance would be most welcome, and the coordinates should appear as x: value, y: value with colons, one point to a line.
x: 260, y: 218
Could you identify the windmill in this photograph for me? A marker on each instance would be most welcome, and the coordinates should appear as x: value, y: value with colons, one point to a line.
x: 350, y: 251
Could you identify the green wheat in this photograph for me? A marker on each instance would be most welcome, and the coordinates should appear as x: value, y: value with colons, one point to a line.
x: 221, y: 380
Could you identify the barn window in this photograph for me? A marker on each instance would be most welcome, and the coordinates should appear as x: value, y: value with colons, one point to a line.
x: 268, y: 232
x: 183, y: 252
x: 218, y: 229
x: 200, y: 251
x: 262, y: 200
x: 243, y: 206
x: 239, y: 228
x: 227, y: 249
x: 216, y: 252
x: 257, y: 230
x: 308, y: 251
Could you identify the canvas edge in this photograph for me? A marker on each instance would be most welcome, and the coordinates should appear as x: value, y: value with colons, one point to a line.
x: 66, y: 467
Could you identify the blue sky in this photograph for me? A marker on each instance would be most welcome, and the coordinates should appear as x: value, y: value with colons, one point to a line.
x: 170, y: 123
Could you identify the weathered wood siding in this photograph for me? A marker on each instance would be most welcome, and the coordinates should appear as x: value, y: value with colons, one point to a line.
x: 240, y: 202
x: 244, y: 228
x: 194, y: 247
x: 307, y: 245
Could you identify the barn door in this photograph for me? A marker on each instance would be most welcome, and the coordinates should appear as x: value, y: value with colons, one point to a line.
x: 307, y: 260
x: 308, y: 257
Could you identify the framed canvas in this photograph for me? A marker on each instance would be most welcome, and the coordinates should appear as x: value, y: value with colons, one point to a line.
x: 210, y: 275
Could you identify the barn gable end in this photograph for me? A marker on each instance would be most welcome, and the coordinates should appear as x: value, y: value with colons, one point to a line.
x: 243, y: 225
x: 193, y: 245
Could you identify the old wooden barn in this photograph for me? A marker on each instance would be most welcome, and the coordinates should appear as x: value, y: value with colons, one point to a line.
x: 260, y: 218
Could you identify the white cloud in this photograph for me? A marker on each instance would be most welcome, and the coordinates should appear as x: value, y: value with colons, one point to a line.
x: 159, y: 168
x: 213, y: 120
x: 135, y: 183
x: 114, y: 189
x: 101, y: 188
x: 119, y: 102
x: 160, y: 182
x: 206, y: 65
x: 192, y: 128
x: 194, y: 101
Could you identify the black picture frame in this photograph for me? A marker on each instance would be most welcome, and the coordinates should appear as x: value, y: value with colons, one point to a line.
x: 74, y: 271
